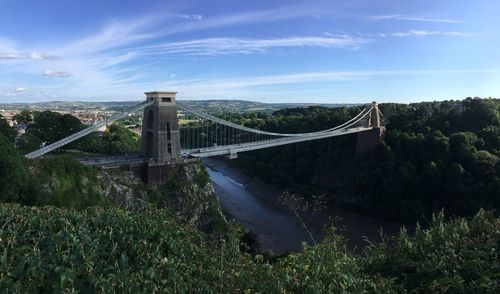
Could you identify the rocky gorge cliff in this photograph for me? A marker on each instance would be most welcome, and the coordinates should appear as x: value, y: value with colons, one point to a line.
x: 187, y: 191
x: 62, y: 181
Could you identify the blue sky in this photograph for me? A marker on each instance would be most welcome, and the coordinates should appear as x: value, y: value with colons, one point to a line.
x: 270, y: 51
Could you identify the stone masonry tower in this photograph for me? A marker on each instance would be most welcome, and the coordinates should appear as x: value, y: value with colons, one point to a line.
x: 369, y: 140
x: 160, y: 129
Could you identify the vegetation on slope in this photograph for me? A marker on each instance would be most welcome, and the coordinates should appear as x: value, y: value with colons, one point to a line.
x: 6, y: 130
x: 437, y: 155
x: 13, y: 174
x: 61, y: 181
x: 103, y: 249
x: 459, y: 256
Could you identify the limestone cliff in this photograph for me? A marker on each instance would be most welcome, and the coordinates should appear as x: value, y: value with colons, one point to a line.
x: 188, y: 191
x: 123, y: 187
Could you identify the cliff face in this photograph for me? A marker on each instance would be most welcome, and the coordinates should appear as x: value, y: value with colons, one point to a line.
x: 124, y: 188
x: 188, y: 191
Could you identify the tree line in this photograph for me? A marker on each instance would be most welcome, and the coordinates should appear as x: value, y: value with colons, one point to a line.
x: 435, y: 155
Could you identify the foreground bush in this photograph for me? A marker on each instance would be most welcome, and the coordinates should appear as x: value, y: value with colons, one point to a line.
x: 110, y: 250
x: 13, y: 175
x: 458, y: 256
x: 53, y: 250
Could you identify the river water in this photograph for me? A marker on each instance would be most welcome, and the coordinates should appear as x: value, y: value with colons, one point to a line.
x: 255, y: 205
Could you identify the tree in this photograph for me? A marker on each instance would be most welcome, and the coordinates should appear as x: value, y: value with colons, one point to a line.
x: 50, y: 126
x: 24, y: 117
x: 29, y: 142
x: 119, y: 140
x: 14, y: 179
x: 5, y: 129
x: 454, y: 172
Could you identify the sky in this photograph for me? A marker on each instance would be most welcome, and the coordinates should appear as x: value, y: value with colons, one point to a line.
x: 262, y: 50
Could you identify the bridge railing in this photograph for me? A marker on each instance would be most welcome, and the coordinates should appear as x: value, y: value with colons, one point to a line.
x: 232, y: 146
x: 215, y: 119
x: 86, y: 131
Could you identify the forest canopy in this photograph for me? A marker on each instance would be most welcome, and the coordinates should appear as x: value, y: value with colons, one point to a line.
x: 436, y: 155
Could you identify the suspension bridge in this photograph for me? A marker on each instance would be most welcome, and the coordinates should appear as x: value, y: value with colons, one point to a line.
x: 164, y: 141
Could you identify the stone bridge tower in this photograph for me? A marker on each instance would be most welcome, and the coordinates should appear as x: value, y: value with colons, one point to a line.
x: 369, y: 140
x: 160, y: 129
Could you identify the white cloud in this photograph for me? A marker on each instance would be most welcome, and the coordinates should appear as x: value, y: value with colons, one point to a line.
x: 415, y: 18
x: 7, y: 56
x: 300, y: 9
x: 40, y: 56
x: 217, y: 46
x: 122, y: 33
x: 424, y: 33
x: 13, y: 92
x: 113, y: 35
x: 9, y: 51
x: 21, y: 56
x: 191, y: 16
x: 56, y: 74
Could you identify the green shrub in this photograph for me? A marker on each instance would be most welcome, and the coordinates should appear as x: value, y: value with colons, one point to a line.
x: 458, y: 256
x: 15, y: 185
x: 109, y: 250
x: 64, y: 182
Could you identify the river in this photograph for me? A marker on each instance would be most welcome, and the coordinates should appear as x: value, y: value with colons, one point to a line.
x: 255, y: 205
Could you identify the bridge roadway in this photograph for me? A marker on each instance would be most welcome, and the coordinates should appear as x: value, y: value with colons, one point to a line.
x: 231, y: 150
x: 114, y: 160
x: 234, y: 149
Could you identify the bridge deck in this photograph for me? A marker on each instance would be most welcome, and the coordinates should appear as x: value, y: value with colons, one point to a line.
x: 237, y: 148
x: 231, y: 149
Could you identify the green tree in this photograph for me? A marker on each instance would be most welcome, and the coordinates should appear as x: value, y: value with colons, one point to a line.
x: 29, y: 142
x: 51, y: 126
x: 7, y: 130
x: 24, y: 117
x: 14, y: 180
x: 119, y: 140
x: 454, y: 172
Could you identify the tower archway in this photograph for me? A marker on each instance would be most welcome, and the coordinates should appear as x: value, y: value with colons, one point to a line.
x: 150, y: 119
x: 148, y: 152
